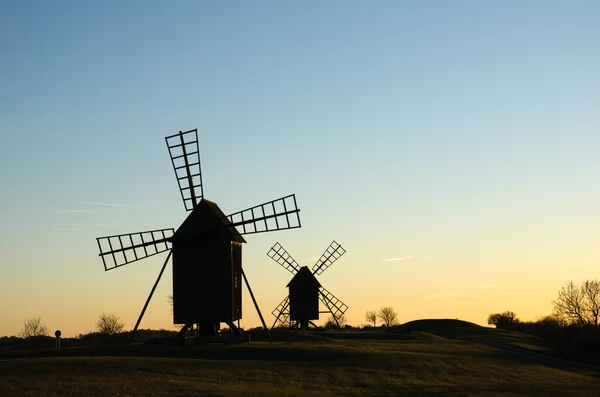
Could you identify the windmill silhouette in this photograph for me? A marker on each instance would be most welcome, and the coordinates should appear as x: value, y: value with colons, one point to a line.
x: 301, y: 306
x: 206, y: 248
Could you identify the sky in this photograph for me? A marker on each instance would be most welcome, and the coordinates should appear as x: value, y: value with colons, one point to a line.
x: 449, y: 147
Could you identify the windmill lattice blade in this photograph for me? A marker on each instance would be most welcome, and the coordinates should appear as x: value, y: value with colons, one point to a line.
x: 335, y: 306
x: 281, y: 312
x: 331, y: 254
x: 279, y: 214
x: 122, y: 249
x: 185, y: 157
x: 281, y: 256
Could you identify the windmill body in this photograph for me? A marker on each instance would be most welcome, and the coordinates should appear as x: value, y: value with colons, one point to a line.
x: 207, y: 277
x: 302, y: 303
x: 304, y: 296
x: 206, y: 248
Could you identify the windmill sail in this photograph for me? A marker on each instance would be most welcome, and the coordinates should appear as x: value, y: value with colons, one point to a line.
x: 331, y: 254
x: 282, y: 313
x: 281, y: 256
x: 279, y: 214
x: 333, y: 304
x: 122, y: 249
x: 185, y: 157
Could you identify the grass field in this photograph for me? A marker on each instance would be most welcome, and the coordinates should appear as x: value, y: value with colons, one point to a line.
x: 437, y: 358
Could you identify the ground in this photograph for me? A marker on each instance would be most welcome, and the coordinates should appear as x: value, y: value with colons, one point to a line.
x: 426, y: 358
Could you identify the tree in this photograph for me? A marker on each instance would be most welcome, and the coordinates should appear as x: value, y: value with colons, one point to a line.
x: 170, y: 300
x: 109, y: 324
x: 579, y: 305
x: 387, y: 315
x: 503, y: 320
x: 341, y: 320
x: 371, y: 316
x: 551, y: 321
x: 34, y: 327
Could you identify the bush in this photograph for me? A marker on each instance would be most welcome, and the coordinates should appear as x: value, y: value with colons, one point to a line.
x: 503, y: 320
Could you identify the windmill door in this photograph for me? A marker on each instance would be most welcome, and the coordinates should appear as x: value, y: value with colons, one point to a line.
x: 236, y: 290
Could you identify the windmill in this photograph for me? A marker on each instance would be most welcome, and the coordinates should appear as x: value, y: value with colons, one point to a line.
x: 206, y: 248
x: 301, y: 306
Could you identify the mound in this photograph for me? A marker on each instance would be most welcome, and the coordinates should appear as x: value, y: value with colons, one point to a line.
x: 466, y: 331
x: 447, y: 328
x: 440, y: 323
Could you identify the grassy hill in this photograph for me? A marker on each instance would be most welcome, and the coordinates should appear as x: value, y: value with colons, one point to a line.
x: 425, y: 357
x: 463, y: 330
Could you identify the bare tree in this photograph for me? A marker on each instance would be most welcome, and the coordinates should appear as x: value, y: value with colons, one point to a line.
x: 371, y: 316
x: 579, y: 304
x: 34, y: 327
x: 591, y: 292
x: 387, y: 315
x: 170, y: 300
x: 109, y: 324
x: 341, y: 320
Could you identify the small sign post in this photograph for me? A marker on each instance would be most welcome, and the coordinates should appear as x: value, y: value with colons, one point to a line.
x: 57, y: 335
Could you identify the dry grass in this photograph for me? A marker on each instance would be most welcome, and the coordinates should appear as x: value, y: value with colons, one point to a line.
x: 421, y: 364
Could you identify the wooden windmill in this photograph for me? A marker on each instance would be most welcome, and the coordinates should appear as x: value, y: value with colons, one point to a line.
x: 302, y: 304
x: 206, y: 248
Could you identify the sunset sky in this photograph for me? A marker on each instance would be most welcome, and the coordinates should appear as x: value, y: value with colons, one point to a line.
x: 450, y: 147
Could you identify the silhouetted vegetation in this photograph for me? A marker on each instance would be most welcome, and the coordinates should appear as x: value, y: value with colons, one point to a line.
x: 503, y: 320
x: 90, y: 339
x: 109, y: 324
x: 331, y: 322
x: 579, y: 305
x: 388, y: 316
x: 34, y: 328
x: 170, y: 301
x: 572, y: 331
x: 371, y: 317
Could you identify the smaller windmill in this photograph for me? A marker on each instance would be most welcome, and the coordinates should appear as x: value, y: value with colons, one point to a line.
x: 301, y: 306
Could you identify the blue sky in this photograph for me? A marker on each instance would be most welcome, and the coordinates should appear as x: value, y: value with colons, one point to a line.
x: 461, y: 137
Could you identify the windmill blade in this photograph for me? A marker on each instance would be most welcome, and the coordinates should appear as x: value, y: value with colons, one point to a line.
x: 185, y: 157
x: 281, y: 256
x: 122, y: 249
x: 331, y: 254
x: 281, y: 312
x: 279, y: 214
x: 333, y: 304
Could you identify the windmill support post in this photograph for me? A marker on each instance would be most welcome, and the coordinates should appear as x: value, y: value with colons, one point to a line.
x: 262, y: 320
x: 183, y: 330
x: 137, y: 324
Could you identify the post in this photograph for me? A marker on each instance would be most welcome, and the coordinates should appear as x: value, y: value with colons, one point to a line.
x: 57, y: 338
x: 262, y: 320
x: 149, y: 297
